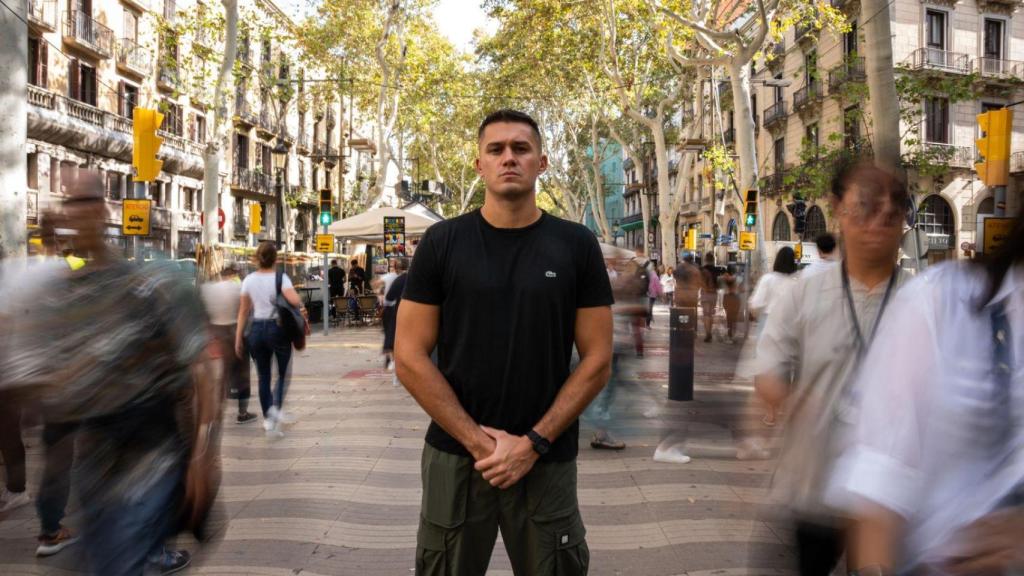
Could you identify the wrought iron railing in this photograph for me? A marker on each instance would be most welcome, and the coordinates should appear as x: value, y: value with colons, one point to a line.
x: 132, y: 55
x: 809, y: 94
x: 936, y: 59
x: 43, y: 13
x: 775, y: 113
x: 83, y: 29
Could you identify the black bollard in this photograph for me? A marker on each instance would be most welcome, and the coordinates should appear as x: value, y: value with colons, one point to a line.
x: 682, y: 336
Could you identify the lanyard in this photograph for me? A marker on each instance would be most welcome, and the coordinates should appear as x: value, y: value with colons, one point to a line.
x: 862, y: 346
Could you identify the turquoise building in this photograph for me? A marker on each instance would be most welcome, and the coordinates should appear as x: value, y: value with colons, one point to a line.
x: 614, y: 185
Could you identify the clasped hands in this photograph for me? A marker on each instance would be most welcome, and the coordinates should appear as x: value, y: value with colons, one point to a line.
x: 503, y: 459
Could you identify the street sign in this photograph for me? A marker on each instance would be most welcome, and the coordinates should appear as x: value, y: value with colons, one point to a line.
x: 135, y: 217
x: 325, y: 243
x: 997, y: 230
x: 748, y: 241
x: 220, y: 219
x: 394, y: 236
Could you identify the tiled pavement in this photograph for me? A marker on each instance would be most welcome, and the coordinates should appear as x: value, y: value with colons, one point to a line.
x: 340, y: 493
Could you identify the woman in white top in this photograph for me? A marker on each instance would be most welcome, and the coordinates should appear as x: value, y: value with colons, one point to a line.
x: 771, y: 285
x: 935, y: 474
x: 266, y: 340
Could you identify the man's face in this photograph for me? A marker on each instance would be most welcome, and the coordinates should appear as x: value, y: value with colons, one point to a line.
x: 510, y: 159
x: 872, y: 225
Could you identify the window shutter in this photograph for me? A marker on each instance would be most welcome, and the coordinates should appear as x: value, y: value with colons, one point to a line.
x: 73, y: 79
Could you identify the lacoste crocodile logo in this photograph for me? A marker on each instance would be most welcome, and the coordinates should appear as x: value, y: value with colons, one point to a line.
x: 551, y: 274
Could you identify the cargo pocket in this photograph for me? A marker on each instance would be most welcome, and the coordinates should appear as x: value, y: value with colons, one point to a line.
x: 562, y: 539
x: 443, y: 510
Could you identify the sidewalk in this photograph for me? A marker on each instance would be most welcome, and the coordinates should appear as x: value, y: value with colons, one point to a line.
x: 340, y: 493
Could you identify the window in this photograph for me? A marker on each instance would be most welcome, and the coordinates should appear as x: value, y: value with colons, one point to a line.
x: 263, y: 215
x: 32, y: 170
x: 82, y: 82
x: 38, y: 59
x: 266, y: 51
x: 780, y: 155
x: 241, y: 151
x: 936, y: 117
x: 993, y: 41
x: 780, y: 229
x: 935, y: 217
x: 851, y: 128
x: 935, y: 30
x: 811, y: 140
x: 128, y: 98
x: 850, y: 41
x: 778, y: 89
x: 316, y: 178
x: 814, y: 225
x: 811, y: 68
x: 131, y: 25
x: 188, y: 199
x: 173, y: 121
x: 114, y: 185
x: 197, y: 129
x: 987, y: 206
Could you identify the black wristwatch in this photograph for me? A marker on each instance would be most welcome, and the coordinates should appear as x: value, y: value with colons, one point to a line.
x: 540, y: 444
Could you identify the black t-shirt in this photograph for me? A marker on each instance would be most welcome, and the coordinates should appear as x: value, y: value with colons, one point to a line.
x: 508, y: 301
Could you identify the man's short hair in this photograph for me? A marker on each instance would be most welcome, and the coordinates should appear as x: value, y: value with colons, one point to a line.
x: 354, y: 262
x: 826, y: 243
x: 334, y: 262
x: 513, y: 117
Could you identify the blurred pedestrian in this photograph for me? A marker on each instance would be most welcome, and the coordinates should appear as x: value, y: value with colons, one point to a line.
x: 392, y: 298
x: 504, y: 292
x: 629, y: 312
x: 934, y: 477
x: 258, y: 328
x: 654, y: 291
x: 816, y: 334
x: 356, y: 278
x: 731, y: 303
x: 709, y: 294
x: 335, y: 284
x: 827, y: 255
x: 772, y: 286
x: 127, y: 338
x: 13, y: 493
x: 668, y: 284
x: 222, y: 298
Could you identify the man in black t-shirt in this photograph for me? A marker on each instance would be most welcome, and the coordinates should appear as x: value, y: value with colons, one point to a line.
x: 356, y: 277
x: 504, y: 293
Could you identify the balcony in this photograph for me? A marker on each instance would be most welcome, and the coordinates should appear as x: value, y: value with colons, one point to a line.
x: 948, y: 154
x: 775, y: 115
x: 252, y: 180
x: 940, y: 60
x: 806, y: 34
x: 806, y: 96
x: 42, y: 15
x: 319, y: 149
x: 266, y: 125
x: 774, y: 184
x: 183, y: 145
x: 60, y: 120
x: 81, y: 30
x: 851, y: 70
x: 168, y: 77
x: 133, y: 58
x: 244, y: 116
x: 1016, y: 162
x: 1000, y: 71
x: 302, y: 143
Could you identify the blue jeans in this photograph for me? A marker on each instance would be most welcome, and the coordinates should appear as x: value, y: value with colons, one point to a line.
x: 121, y: 535
x: 266, y: 341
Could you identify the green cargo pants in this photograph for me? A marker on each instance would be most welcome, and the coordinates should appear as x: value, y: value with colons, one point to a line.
x: 539, y: 519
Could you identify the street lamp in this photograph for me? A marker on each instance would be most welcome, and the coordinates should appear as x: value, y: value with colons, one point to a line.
x: 279, y: 154
x: 773, y: 82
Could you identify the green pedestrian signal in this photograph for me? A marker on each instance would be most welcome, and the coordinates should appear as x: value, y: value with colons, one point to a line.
x: 325, y: 219
x: 326, y: 207
x: 751, y: 219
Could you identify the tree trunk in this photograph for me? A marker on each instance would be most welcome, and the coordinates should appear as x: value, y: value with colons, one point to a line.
x: 13, y: 130
x: 219, y: 136
x: 739, y: 76
x: 881, y: 80
x: 666, y: 217
x: 597, y: 192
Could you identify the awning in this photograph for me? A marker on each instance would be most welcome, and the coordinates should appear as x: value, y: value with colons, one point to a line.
x: 369, y: 225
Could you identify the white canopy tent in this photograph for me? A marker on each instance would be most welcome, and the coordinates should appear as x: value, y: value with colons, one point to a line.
x: 369, y: 226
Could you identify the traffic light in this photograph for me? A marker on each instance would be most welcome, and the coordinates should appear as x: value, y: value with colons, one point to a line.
x: 255, y: 218
x: 326, y: 201
x: 994, y: 146
x: 691, y: 240
x: 750, y: 207
x: 145, y: 123
x: 798, y: 208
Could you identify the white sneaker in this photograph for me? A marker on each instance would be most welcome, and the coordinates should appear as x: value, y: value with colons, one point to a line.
x: 671, y: 455
x: 11, y: 500
x: 268, y: 424
x: 282, y: 417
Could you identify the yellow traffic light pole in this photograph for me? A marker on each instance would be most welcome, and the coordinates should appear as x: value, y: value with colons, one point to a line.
x: 146, y: 144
